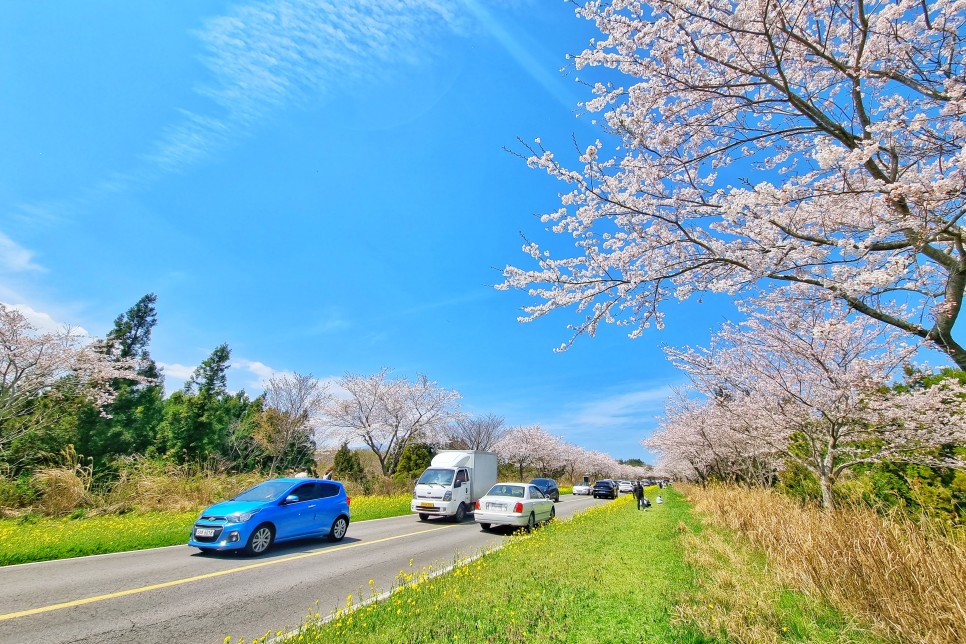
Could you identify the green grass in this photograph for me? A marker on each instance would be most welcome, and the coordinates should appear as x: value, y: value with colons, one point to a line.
x: 33, y: 538
x: 611, y: 574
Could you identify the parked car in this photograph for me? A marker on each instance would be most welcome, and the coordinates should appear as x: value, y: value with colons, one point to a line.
x: 582, y: 488
x: 517, y: 504
x: 271, y: 512
x: 625, y: 487
x: 548, y: 487
x: 605, y: 489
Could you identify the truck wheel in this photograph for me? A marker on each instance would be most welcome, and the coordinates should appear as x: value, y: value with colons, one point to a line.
x: 460, y: 513
x: 423, y: 516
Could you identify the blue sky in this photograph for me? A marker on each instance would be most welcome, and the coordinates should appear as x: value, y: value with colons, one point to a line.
x: 321, y: 185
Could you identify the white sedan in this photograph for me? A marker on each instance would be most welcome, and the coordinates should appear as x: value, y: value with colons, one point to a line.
x: 517, y: 504
x: 582, y: 488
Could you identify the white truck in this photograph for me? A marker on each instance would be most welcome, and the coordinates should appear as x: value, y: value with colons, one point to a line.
x: 453, y: 482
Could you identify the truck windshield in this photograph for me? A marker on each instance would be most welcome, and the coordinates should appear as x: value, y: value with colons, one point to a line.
x: 440, y: 477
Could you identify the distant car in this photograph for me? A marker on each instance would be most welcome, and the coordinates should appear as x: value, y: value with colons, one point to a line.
x: 625, y: 487
x: 271, y: 512
x: 548, y: 487
x: 582, y: 488
x: 605, y: 489
x: 516, y: 504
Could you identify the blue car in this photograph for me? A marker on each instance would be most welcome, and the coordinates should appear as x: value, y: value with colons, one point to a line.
x: 274, y: 511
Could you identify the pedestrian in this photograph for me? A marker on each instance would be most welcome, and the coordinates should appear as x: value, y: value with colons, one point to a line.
x: 328, y: 474
x: 638, y: 494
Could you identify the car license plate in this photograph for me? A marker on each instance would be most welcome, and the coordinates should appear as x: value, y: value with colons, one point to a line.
x: 495, y: 506
x: 426, y: 505
x: 204, y: 532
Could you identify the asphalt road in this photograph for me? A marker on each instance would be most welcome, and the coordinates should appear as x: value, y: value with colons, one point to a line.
x: 175, y: 594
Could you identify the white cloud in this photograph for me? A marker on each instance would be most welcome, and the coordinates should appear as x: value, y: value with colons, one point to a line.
x: 267, y: 55
x: 177, y: 371
x: 246, y: 368
x: 15, y: 258
x: 45, y: 323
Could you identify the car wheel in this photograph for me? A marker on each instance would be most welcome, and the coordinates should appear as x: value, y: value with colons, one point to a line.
x: 553, y: 515
x: 423, y: 516
x: 531, y: 522
x: 460, y: 513
x: 485, y: 526
x: 261, y: 540
x: 339, y: 528
x: 556, y: 497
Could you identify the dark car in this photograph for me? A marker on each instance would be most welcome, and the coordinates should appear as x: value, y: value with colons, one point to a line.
x: 605, y: 489
x: 548, y: 487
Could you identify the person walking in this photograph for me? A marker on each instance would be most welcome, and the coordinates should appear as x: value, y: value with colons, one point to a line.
x: 639, y: 494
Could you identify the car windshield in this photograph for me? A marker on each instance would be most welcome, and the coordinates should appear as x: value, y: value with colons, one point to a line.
x: 437, y: 477
x: 506, y: 490
x: 267, y: 491
x: 540, y: 482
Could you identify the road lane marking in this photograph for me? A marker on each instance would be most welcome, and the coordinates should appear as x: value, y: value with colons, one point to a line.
x: 210, y: 575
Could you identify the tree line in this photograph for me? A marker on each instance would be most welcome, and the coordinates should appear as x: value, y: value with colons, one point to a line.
x: 63, y: 394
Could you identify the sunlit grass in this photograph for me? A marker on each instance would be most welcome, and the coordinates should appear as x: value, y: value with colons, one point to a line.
x: 36, y: 538
x: 611, y: 574
x: 42, y: 538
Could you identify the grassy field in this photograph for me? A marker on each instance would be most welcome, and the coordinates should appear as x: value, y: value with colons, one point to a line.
x: 611, y: 574
x: 35, y: 538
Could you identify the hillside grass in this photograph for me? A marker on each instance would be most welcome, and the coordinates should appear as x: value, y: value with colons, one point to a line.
x: 610, y: 574
x: 39, y: 538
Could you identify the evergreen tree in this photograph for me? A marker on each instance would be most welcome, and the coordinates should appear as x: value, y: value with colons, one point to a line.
x: 347, y: 465
x: 415, y: 458
x: 131, y: 422
x: 197, y: 419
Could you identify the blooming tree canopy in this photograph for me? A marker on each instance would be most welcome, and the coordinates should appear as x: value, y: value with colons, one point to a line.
x: 752, y: 144
x: 806, y: 380
x: 388, y: 413
x: 59, y: 363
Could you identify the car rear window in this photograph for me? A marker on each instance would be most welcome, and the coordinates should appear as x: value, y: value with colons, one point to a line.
x: 507, y: 490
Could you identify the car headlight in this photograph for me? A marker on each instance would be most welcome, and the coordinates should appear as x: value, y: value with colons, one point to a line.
x: 241, y: 517
x: 448, y: 496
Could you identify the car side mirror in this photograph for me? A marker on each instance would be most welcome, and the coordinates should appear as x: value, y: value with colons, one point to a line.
x: 457, y: 484
x: 291, y: 498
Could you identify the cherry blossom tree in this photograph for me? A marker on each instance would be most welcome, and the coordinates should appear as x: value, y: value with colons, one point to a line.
x: 530, y: 447
x: 753, y: 144
x: 288, y: 428
x: 58, y: 364
x: 696, y: 441
x: 387, y: 413
x: 479, y: 432
x: 807, y: 379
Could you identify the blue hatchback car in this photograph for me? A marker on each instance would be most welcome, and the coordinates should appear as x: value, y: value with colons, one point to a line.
x: 274, y: 511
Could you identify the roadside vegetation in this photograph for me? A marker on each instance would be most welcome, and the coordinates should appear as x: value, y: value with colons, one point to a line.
x: 611, y: 574
x: 906, y: 578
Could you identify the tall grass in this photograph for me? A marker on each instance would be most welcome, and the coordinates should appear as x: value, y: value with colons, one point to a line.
x: 907, y: 579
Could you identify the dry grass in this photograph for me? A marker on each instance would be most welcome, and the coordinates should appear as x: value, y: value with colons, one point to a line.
x: 907, y: 580
x: 145, y: 486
